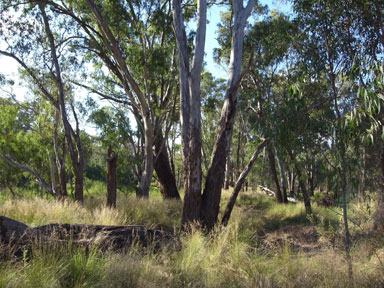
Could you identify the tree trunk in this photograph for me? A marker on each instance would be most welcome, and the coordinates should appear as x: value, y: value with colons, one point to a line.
x: 163, y: 170
x: 190, y: 111
x: 60, y: 159
x: 111, y: 178
x: 79, y: 185
x: 307, y: 200
x: 363, y: 172
x: 145, y: 181
x: 76, y: 154
x: 10, y: 188
x: 63, y: 174
x: 239, y: 138
x: 311, y: 177
x: 272, y: 170
x: 378, y: 223
x: 227, y: 170
x: 135, y: 95
x: 210, y: 203
x: 283, y: 177
x: 239, y: 183
x: 52, y: 172
x: 41, y: 188
x: 291, y: 182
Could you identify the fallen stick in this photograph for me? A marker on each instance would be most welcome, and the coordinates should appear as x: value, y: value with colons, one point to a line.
x: 271, y: 193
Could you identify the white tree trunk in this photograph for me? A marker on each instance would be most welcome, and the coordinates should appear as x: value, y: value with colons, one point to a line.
x: 190, y: 108
x: 212, y: 191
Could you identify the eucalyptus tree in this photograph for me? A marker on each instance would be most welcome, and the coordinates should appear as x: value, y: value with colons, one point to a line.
x: 365, y: 18
x: 331, y: 35
x: 25, y: 144
x: 346, y: 40
x: 190, y: 109
x: 133, y: 40
x: 268, y: 43
x: 367, y: 117
x: 205, y: 207
x: 36, y: 43
x: 116, y: 137
x: 213, y: 183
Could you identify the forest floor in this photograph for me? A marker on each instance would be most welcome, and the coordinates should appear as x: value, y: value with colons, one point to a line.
x: 265, y: 245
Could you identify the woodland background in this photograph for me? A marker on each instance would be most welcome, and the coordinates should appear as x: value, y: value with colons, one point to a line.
x: 178, y: 149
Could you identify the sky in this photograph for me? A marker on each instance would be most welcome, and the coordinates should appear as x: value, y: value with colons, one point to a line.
x: 211, y: 42
x: 9, y: 67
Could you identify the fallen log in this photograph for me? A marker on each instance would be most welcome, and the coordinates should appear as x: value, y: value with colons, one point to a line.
x: 14, y: 234
x: 271, y: 193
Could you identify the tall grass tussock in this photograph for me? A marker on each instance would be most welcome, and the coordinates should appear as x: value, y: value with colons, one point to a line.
x: 264, y: 245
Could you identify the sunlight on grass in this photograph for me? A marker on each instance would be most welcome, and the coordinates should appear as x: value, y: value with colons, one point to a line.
x: 234, y: 256
x: 151, y: 213
x: 37, y: 211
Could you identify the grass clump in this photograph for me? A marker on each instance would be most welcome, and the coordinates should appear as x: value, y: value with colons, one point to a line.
x: 55, y: 267
x: 39, y: 211
x: 265, y: 245
x: 151, y: 212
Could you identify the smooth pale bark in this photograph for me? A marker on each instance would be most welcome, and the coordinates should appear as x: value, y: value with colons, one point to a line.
x: 146, y: 176
x: 210, y: 203
x: 129, y: 84
x: 52, y: 172
x: 191, y: 207
x: 75, y: 149
x: 190, y: 110
x: 239, y: 183
x: 291, y: 182
x: 60, y: 162
x: 195, y: 173
x: 239, y: 138
x: 111, y: 178
x: 227, y: 170
x: 283, y: 177
x: 273, y: 174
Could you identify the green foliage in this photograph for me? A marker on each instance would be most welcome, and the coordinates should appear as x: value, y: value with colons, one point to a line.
x: 367, y: 116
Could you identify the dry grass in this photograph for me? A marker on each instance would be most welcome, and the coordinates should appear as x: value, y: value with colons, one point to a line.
x: 264, y: 245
